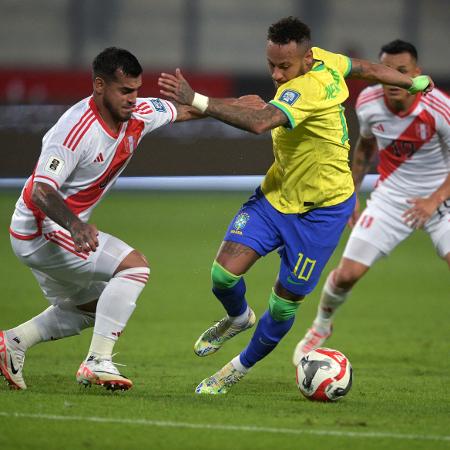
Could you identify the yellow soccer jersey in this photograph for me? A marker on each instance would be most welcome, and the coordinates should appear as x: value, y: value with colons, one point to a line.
x: 311, y: 154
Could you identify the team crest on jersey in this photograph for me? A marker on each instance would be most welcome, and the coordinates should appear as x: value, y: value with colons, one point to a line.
x: 423, y: 131
x: 130, y: 144
x: 240, y: 222
x: 54, y: 165
x: 289, y: 96
x: 158, y: 104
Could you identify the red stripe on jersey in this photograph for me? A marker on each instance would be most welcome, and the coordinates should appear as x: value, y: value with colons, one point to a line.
x: 418, y: 133
x: 440, y: 102
x: 67, y: 239
x: 94, y: 109
x: 64, y: 246
x: 85, y: 129
x: 366, y: 95
x: 84, y: 199
x: 37, y: 213
x: 79, y: 129
x: 47, y: 178
x: 439, y: 111
x: 73, y: 130
x: 368, y: 100
x: 24, y: 237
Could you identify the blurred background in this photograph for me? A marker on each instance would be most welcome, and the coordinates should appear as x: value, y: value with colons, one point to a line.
x: 47, y: 47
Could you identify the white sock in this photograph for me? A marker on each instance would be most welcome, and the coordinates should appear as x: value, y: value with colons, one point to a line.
x: 331, y: 299
x: 56, y: 322
x: 236, y: 362
x: 240, y: 320
x: 115, y: 306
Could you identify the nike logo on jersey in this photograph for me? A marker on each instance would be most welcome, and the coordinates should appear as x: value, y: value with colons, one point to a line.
x: 13, y: 369
x: 290, y: 280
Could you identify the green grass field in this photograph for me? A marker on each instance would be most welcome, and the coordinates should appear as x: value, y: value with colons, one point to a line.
x: 394, y: 330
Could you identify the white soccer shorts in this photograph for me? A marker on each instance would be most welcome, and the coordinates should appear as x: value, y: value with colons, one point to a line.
x: 381, y: 228
x: 64, y: 274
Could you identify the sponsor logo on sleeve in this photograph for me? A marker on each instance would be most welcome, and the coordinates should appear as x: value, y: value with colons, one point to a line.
x: 158, y: 104
x: 54, y: 165
x: 289, y: 96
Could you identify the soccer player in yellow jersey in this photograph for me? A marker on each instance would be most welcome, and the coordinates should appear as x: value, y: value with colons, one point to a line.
x: 306, y: 197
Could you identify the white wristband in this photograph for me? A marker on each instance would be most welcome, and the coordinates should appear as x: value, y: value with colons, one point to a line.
x: 200, y: 102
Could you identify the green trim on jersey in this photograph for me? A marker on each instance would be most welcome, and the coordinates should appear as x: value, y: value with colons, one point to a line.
x: 349, y: 67
x: 321, y: 66
x: 286, y: 111
x: 344, y: 138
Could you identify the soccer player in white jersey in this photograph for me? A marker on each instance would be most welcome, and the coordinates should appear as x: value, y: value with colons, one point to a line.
x: 89, y: 277
x: 411, y: 135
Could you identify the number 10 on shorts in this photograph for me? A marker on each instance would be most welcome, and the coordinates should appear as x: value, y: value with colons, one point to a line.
x: 304, y: 267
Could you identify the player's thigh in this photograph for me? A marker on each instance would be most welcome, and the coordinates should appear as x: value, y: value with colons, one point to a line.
x: 309, y: 241
x: 380, y: 228
x: 64, y: 273
x: 251, y: 234
x: 438, y: 227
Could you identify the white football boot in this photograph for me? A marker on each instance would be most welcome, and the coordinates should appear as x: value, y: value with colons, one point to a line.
x: 11, y: 363
x: 214, y: 337
x: 314, y: 338
x: 102, y: 372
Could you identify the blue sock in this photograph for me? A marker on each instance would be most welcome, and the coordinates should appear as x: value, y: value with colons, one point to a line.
x: 265, y: 338
x: 232, y: 299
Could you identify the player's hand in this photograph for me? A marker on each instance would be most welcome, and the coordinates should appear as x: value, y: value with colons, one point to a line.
x: 355, y: 214
x: 421, y: 210
x: 418, y: 84
x: 84, y: 236
x: 251, y: 101
x: 175, y: 87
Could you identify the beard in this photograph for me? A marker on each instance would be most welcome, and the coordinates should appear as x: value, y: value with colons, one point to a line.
x: 115, y: 113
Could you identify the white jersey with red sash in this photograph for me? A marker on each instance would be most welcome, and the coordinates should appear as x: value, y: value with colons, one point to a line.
x: 81, y: 158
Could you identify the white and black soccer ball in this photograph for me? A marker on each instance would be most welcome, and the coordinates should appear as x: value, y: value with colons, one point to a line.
x: 324, y: 375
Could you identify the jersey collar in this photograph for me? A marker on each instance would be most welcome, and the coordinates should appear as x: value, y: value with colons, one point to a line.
x: 94, y: 109
x: 408, y: 111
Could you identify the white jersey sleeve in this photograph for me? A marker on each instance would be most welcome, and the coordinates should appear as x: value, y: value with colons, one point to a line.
x: 363, y: 109
x: 154, y: 113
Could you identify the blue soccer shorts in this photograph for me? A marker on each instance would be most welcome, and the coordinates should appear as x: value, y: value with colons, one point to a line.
x: 305, y: 241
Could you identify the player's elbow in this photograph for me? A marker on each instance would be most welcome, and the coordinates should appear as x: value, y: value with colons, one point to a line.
x: 39, y: 192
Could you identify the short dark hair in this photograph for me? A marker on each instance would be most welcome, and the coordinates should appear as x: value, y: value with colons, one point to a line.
x: 289, y: 29
x: 111, y: 59
x: 399, y: 46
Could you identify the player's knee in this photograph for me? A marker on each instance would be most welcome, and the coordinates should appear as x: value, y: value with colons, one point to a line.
x: 222, y: 278
x: 132, y: 260
x: 282, y: 309
x: 346, y: 276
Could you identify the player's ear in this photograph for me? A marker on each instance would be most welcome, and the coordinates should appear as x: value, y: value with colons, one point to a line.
x: 99, y: 85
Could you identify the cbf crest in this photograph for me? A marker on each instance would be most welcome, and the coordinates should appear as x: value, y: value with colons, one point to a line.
x: 240, y: 222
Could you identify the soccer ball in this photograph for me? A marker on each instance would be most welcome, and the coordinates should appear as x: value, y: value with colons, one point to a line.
x: 324, y: 375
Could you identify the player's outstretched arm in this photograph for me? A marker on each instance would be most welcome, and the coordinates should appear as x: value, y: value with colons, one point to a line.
x: 241, y: 113
x: 365, y: 151
x: 48, y: 200
x: 423, y: 208
x: 380, y: 73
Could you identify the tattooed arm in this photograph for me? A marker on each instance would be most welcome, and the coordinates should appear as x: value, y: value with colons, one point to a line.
x: 380, y: 73
x: 240, y: 114
x: 365, y: 151
x: 52, y: 204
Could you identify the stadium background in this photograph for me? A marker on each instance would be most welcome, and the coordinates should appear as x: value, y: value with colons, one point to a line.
x: 47, y: 48
x: 394, y: 330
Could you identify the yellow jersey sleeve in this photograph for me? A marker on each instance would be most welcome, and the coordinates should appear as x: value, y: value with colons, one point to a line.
x: 337, y: 61
x: 297, y: 99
